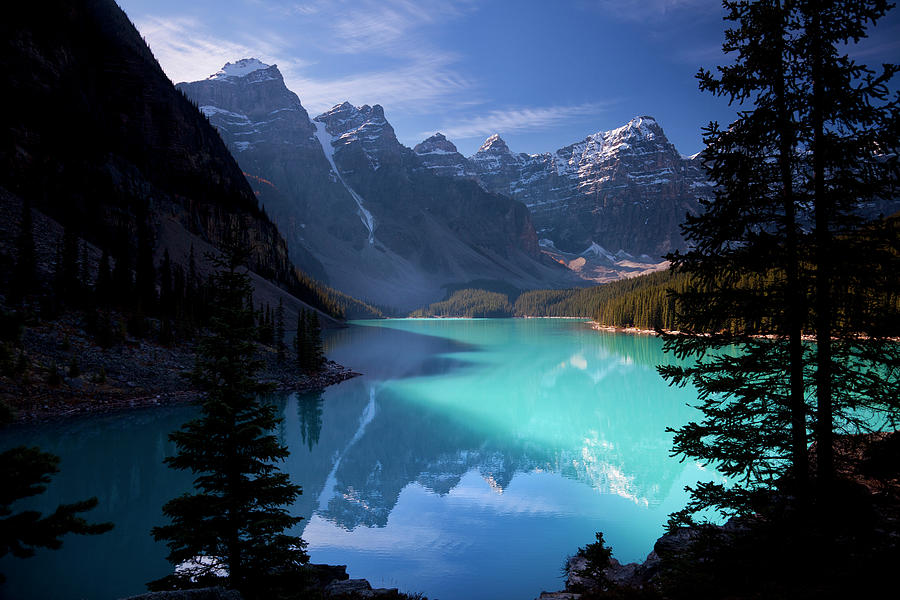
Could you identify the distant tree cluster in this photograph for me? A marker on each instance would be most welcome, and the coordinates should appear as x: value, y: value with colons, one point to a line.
x: 469, y: 303
x: 308, y: 342
x: 643, y: 302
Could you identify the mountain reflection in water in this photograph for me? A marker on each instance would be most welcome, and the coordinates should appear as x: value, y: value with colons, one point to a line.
x: 467, y: 462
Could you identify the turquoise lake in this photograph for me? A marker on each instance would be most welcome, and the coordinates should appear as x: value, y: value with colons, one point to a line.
x: 470, y: 459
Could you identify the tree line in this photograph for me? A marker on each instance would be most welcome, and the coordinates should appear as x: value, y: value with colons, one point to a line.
x: 233, y: 525
x: 469, y: 303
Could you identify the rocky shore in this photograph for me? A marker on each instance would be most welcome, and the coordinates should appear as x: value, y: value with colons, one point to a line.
x: 65, y: 373
x: 612, y: 329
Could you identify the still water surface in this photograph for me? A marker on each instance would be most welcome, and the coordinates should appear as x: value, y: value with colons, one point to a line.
x: 471, y: 458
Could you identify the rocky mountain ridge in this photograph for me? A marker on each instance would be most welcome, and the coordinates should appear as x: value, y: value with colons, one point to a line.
x: 355, y: 205
x: 627, y: 189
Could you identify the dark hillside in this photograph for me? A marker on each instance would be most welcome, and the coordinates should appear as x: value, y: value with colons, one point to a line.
x: 97, y: 137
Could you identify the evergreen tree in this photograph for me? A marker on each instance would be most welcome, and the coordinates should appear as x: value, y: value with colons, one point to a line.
x: 755, y: 397
x: 166, y: 293
x: 103, y: 282
x: 24, y: 276
x: 850, y: 126
x: 308, y: 342
x: 66, y: 284
x: 145, y: 271
x: 84, y: 267
x: 279, y: 330
x: 315, y: 358
x: 750, y: 267
x: 301, y: 341
x: 122, y: 277
x: 236, y: 517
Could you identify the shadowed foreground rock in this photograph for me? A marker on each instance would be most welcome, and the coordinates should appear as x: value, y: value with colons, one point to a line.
x: 212, y: 593
x: 328, y: 581
x: 846, y: 547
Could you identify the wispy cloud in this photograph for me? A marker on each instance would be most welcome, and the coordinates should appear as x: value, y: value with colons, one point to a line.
x: 423, y: 85
x: 188, y: 52
x: 518, y: 120
x: 653, y: 10
x: 392, y: 26
x: 414, y: 75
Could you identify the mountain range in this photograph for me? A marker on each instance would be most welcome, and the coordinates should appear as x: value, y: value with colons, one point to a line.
x: 398, y: 226
x: 625, y: 190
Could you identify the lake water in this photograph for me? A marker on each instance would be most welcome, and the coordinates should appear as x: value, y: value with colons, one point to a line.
x: 468, y: 462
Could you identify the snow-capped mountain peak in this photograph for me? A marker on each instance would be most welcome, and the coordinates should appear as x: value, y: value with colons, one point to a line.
x: 638, y: 128
x: 436, y: 144
x: 624, y: 188
x: 364, y: 128
x: 495, y: 144
x: 240, y: 68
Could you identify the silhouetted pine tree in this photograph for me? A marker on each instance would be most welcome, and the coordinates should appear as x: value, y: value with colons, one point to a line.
x: 315, y: 358
x: 166, y: 293
x: 236, y: 517
x: 103, y: 282
x: 25, y: 272
x: 755, y: 398
x: 279, y: 330
x: 145, y: 271
x: 301, y: 342
x: 67, y: 286
x: 816, y: 145
x: 851, y: 134
x: 122, y: 278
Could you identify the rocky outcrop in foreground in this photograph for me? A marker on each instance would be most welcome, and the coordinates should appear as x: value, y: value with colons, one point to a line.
x: 845, y: 544
x: 326, y: 581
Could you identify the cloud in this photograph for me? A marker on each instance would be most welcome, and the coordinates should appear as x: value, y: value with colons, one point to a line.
x: 391, y: 26
x: 654, y: 10
x: 187, y: 52
x: 421, y: 86
x: 412, y: 75
x: 518, y: 119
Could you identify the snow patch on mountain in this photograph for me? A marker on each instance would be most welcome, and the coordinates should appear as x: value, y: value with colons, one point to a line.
x: 599, y: 251
x: 240, y: 68
x: 326, y: 140
x: 209, y: 111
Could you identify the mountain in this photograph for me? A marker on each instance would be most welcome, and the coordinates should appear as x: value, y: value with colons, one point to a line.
x: 96, y: 137
x: 625, y: 190
x: 356, y: 206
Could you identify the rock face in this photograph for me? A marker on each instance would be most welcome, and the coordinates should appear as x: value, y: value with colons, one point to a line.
x: 440, y: 157
x: 269, y: 132
x: 361, y: 210
x: 626, y: 189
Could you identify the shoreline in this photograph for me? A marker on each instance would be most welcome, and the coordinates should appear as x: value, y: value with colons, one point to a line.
x: 111, y: 401
x: 629, y: 330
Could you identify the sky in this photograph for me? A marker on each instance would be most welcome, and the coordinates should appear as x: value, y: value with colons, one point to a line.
x: 541, y: 73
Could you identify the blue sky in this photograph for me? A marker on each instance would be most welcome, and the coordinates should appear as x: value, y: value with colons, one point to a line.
x: 541, y: 73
